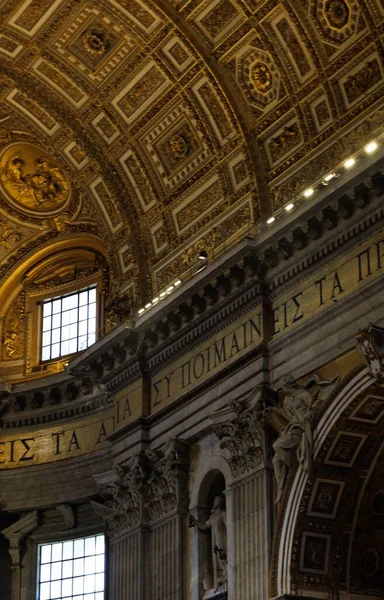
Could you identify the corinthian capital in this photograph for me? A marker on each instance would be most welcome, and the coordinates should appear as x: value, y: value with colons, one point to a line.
x: 166, y: 489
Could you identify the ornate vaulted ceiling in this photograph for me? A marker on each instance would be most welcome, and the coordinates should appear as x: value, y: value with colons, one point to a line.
x: 163, y: 125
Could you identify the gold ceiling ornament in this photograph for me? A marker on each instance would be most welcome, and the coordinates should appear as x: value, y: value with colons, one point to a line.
x: 261, y: 76
x: 337, y: 13
x: 32, y: 180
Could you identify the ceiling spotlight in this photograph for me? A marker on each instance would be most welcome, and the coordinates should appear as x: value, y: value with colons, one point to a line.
x: 141, y: 311
x: 162, y: 294
x: 271, y: 220
x: 169, y: 289
x: 349, y: 163
x: 177, y: 282
x: 371, y: 147
x: 155, y: 300
x: 203, y: 255
x: 148, y: 305
x: 289, y: 207
x: 329, y: 177
x: 309, y: 192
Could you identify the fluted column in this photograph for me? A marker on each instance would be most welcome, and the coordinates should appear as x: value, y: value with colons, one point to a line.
x: 166, y: 501
x: 252, y: 538
x: 242, y: 440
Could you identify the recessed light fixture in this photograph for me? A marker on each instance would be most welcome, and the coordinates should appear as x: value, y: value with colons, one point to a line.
x: 148, y: 305
x: 309, y: 192
x: 169, y: 289
x: 177, y: 282
x: 162, y: 294
x: 289, y: 207
x: 271, y: 220
x: 155, y: 300
x: 371, y: 147
x: 349, y: 163
x: 203, y: 255
x: 329, y: 177
x: 141, y: 311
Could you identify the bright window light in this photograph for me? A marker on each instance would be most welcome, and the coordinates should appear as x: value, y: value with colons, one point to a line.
x: 289, y: 207
x: 371, y: 147
x: 349, y: 163
x: 309, y: 192
x: 72, y: 569
x: 69, y: 324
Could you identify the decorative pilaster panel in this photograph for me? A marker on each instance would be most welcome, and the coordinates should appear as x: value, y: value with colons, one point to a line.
x: 166, y: 551
x: 166, y: 503
x: 126, y: 562
x: 251, y: 529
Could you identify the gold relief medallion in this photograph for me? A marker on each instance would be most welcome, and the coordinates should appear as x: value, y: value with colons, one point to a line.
x: 32, y: 180
x: 337, y: 13
x: 260, y: 76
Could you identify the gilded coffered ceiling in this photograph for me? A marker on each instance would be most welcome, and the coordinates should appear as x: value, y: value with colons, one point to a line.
x: 160, y: 126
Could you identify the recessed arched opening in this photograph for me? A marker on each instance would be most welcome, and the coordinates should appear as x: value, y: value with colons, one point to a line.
x: 331, y: 526
x: 61, y: 268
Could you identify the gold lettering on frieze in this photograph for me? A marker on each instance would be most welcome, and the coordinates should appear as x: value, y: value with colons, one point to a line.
x: 209, y: 359
x: 53, y: 444
x: 328, y: 287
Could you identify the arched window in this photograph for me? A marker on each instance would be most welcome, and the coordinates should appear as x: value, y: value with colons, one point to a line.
x: 52, y: 309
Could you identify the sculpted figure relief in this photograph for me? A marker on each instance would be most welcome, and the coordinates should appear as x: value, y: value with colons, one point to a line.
x: 32, y: 179
x: 217, y: 523
x: 296, y: 437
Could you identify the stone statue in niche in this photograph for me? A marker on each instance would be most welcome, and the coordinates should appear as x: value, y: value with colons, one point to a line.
x: 217, y: 523
x: 296, y: 436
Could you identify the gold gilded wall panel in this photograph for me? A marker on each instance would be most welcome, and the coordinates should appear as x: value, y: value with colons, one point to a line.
x: 219, y: 235
x: 31, y: 15
x: 213, y: 108
x: 106, y: 128
x: 10, y: 47
x: 13, y: 328
x: 107, y: 204
x: 61, y: 82
x: 195, y: 207
x: 31, y: 109
x: 138, y: 181
x: 95, y: 45
x: 218, y: 18
x: 142, y: 90
x: 141, y: 18
x: 178, y: 56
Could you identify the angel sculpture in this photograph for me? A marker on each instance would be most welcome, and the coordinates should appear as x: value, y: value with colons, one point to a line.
x: 296, y: 436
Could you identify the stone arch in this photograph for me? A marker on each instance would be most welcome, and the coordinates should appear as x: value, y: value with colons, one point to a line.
x: 327, y: 519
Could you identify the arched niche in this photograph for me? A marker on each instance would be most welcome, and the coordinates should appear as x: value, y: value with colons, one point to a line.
x: 61, y: 267
x: 330, y: 529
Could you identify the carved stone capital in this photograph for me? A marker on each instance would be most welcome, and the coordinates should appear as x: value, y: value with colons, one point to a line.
x: 240, y: 436
x: 166, y: 489
x: 16, y: 535
x: 121, y: 508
